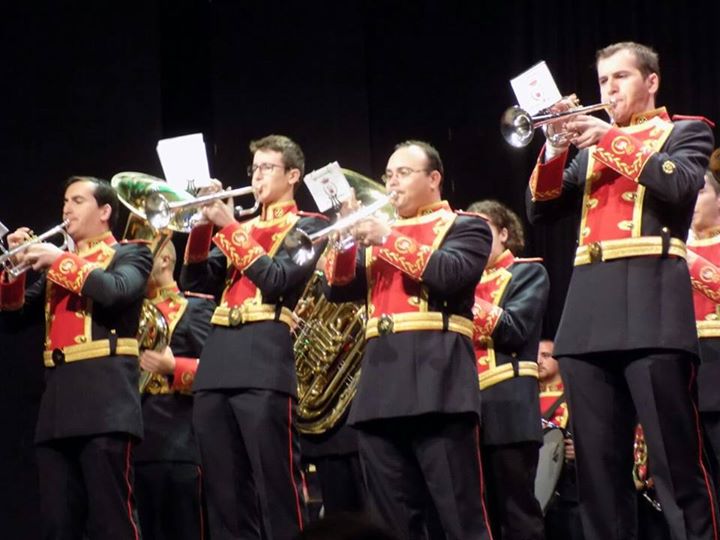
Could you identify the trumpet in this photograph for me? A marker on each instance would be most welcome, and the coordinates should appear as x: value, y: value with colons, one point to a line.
x: 301, y: 245
x: 160, y: 212
x: 15, y: 270
x: 518, y: 126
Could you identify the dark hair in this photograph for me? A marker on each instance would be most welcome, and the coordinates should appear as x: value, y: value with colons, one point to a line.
x: 104, y: 194
x: 502, y: 217
x: 433, y: 156
x: 713, y: 180
x: 292, y: 154
x: 646, y: 59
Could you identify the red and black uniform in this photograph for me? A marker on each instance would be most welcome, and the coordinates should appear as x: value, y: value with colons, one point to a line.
x: 89, y: 413
x: 510, y: 302
x: 246, y: 386
x: 167, y: 462
x: 562, y: 517
x: 705, y: 279
x: 627, y: 340
x: 417, y: 405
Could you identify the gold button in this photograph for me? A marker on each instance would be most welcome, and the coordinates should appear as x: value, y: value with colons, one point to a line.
x: 82, y: 339
x: 668, y: 167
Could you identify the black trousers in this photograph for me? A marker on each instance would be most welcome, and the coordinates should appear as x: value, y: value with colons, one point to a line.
x: 407, y: 460
x: 169, y: 500
x: 251, y: 464
x: 86, y: 488
x: 605, y: 391
x: 341, y: 483
x: 510, y: 470
x: 711, y: 423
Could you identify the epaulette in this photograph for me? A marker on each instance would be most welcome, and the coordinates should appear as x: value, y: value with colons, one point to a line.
x: 676, y: 117
x: 199, y: 295
x: 302, y: 213
x: 528, y: 259
x: 471, y: 214
x: 136, y: 241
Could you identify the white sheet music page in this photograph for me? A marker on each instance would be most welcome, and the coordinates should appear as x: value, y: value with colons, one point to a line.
x: 184, y: 161
x: 535, y: 89
x: 328, y: 186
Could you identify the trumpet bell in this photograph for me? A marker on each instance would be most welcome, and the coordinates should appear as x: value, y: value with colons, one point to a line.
x: 148, y: 197
x: 516, y: 127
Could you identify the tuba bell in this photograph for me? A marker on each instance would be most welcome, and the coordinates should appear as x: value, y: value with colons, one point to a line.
x: 329, y: 341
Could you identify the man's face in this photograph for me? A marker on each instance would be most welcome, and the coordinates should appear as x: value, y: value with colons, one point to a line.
x: 548, y: 367
x: 271, y: 180
x: 622, y: 84
x: 86, y: 218
x: 707, y: 209
x: 407, y: 175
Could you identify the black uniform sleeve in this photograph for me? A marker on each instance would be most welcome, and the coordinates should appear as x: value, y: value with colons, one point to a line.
x: 208, y: 276
x: 274, y: 276
x: 460, y: 260
x: 523, y: 307
x: 125, y: 281
x: 199, y: 313
x: 675, y: 175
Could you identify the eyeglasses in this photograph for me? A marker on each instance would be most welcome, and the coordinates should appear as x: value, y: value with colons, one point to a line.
x: 264, y: 168
x: 400, y: 172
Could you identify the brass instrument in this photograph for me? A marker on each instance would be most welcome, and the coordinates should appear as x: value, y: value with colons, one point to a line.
x: 7, y: 258
x: 165, y: 207
x: 153, y: 334
x: 301, y: 246
x: 518, y: 126
x: 153, y: 329
x: 329, y: 343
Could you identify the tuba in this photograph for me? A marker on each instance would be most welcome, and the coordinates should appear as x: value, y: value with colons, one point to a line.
x: 329, y: 341
x: 153, y: 329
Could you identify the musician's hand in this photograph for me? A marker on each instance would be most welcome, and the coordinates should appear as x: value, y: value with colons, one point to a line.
x: 19, y: 236
x: 219, y: 213
x: 561, y: 143
x: 569, y: 449
x: 158, y: 362
x: 42, y: 255
x: 586, y: 130
x: 350, y: 205
x: 371, y: 231
x: 214, y: 187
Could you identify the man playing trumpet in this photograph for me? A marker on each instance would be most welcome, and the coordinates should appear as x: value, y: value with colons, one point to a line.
x: 417, y: 405
x: 89, y: 414
x: 627, y: 341
x: 246, y: 386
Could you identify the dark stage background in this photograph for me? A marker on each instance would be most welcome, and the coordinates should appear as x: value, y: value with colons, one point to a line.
x: 89, y: 88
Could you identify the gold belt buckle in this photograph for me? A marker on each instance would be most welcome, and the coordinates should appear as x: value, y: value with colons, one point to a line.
x: 595, y: 252
x: 236, y: 316
x: 385, y: 325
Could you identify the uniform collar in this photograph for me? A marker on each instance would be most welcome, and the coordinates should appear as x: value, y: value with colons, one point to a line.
x: 434, y: 207
x: 557, y: 387
x: 505, y: 259
x: 642, y: 117
x: 163, y: 293
x: 106, y: 238
x: 708, y: 233
x: 278, y: 210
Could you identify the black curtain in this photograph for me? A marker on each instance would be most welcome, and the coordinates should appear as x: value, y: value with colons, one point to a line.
x: 89, y: 88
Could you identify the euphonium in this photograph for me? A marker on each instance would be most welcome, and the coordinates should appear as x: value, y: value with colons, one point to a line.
x: 329, y: 342
x: 153, y: 334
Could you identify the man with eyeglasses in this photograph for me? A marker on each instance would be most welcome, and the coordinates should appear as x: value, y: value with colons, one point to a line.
x: 417, y: 405
x: 246, y: 387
